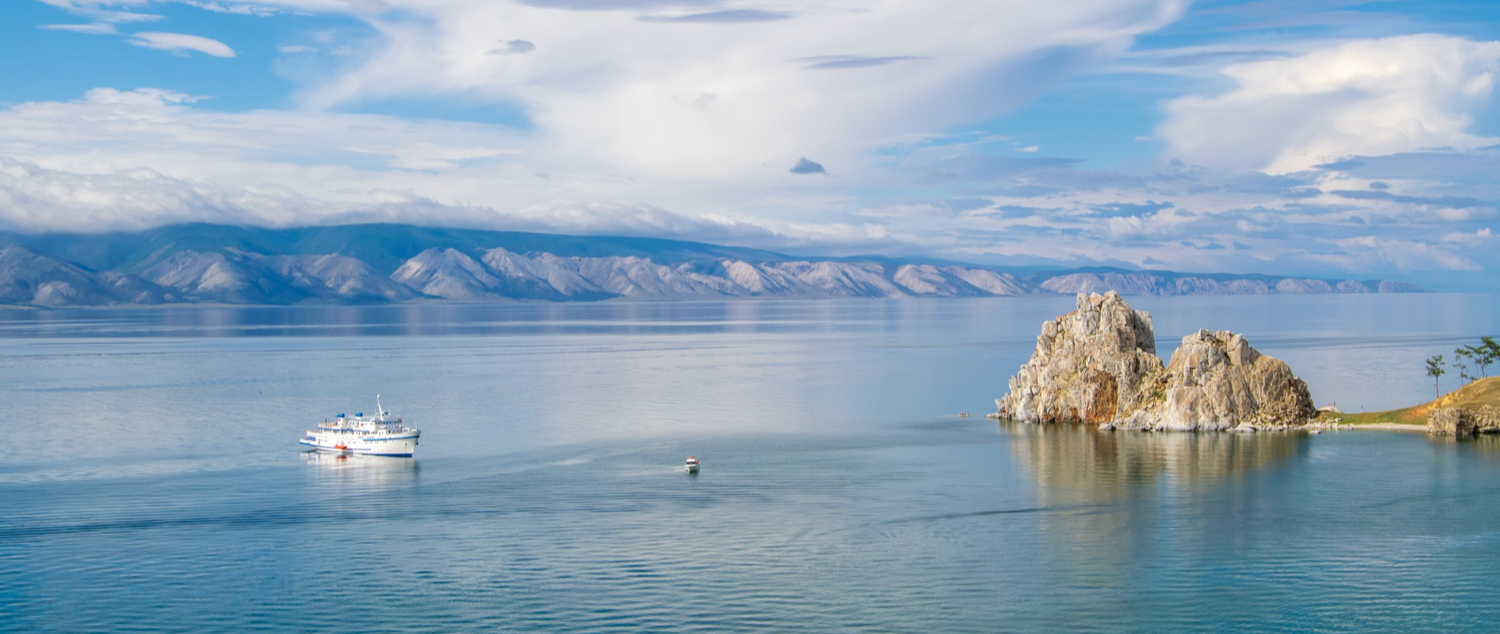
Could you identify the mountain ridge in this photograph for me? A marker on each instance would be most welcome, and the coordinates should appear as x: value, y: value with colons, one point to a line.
x: 386, y: 263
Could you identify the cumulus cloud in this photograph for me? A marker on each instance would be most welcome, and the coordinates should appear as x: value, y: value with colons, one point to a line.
x: 1478, y: 238
x: 181, y: 42
x: 131, y: 159
x: 804, y: 166
x: 514, y: 47
x: 1364, y: 97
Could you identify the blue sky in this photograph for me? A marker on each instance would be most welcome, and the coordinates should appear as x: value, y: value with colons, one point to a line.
x: 1330, y: 138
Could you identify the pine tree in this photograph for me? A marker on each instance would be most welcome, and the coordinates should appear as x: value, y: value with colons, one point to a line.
x: 1435, y: 370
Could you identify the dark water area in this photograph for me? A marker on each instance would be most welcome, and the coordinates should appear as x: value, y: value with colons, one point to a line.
x: 151, y: 479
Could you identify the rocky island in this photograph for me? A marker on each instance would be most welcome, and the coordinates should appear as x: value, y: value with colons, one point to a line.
x: 1097, y: 365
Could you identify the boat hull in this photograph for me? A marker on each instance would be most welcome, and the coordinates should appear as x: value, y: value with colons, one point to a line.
x: 402, y: 446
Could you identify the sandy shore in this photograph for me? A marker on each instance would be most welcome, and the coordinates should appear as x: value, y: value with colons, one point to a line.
x: 1392, y: 427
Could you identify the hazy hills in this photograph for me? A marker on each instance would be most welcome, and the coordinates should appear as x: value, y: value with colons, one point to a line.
x: 380, y: 263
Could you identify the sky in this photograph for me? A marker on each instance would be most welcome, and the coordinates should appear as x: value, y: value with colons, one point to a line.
x: 1323, y: 138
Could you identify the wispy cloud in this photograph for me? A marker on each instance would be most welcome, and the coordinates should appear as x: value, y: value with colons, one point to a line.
x: 92, y: 28
x: 730, y: 16
x: 835, y: 62
x: 233, y: 8
x: 98, y: 11
x: 180, y: 43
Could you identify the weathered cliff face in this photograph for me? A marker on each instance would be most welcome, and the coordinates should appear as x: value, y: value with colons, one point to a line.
x: 1098, y: 365
x: 1464, y: 421
x: 1090, y: 366
x: 1216, y: 381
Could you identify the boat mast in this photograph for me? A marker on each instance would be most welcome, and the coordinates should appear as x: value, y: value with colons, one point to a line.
x: 379, y: 411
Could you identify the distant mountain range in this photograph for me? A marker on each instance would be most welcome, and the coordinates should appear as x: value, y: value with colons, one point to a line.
x: 382, y: 263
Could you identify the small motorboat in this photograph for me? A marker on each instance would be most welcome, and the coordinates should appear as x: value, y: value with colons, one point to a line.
x: 691, y: 465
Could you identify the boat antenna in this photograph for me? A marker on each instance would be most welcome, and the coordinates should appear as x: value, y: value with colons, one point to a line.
x: 379, y: 411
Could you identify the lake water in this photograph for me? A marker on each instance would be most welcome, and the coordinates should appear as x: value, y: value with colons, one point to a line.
x: 150, y: 478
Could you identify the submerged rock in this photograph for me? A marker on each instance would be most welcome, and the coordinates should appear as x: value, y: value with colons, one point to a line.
x: 1098, y: 365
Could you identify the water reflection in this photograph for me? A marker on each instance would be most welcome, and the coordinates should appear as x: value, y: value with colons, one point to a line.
x: 526, y: 318
x: 1124, y: 502
x: 1093, y: 466
x: 1485, y: 447
x: 360, y: 472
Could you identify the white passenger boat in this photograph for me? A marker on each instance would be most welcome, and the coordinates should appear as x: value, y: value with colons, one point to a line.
x: 692, y: 465
x: 375, y: 435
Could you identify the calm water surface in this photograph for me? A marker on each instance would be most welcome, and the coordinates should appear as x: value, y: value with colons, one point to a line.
x: 151, y: 479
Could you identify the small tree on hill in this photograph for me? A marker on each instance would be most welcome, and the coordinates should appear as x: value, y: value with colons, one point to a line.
x: 1435, y: 370
x: 1462, y: 357
x: 1487, y: 352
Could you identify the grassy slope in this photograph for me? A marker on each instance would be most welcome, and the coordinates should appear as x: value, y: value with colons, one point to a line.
x: 1481, y: 392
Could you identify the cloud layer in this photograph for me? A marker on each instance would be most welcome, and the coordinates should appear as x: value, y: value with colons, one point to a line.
x: 727, y: 91
x: 694, y: 119
x: 1361, y: 98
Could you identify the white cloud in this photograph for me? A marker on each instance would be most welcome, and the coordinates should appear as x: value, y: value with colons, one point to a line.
x: 619, y: 93
x: 129, y: 159
x: 178, y: 42
x: 93, y: 28
x: 1478, y: 238
x: 706, y: 101
x: 232, y: 7
x: 93, y: 9
x: 686, y: 127
x: 431, y: 156
x: 1365, y: 97
x: 1372, y: 252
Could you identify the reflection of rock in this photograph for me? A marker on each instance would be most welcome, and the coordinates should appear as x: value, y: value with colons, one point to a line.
x: 1464, y: 421
x: 1098, y: 365
x: 1108, y: 495
x: 1099, y: 465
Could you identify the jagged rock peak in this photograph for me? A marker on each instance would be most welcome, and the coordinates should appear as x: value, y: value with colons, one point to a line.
x: 1089, y: 365
x: 1216, y: 381
x: 1098, y: 365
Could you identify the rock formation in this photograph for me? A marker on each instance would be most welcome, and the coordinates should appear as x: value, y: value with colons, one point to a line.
x: 1464, y: 421
x: 1090, y: 366
x: 1098, y: 365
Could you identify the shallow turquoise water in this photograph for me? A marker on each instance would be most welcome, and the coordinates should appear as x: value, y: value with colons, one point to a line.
x: 152, y: 481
